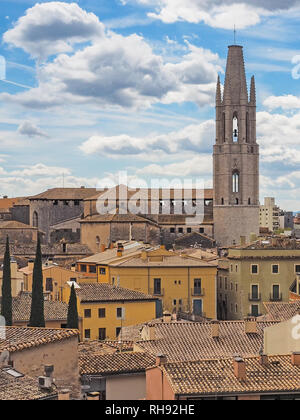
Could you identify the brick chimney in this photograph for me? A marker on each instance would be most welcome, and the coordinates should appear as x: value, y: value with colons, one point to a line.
x: 161, y: 360
x: 296, y: 359
x: 251, y: 326
x: 120, y: 250
x: 30, y: 265
x: 167, y: 316
x: 239, y: 367
x: 215, y: 329
x: 102, y: 248
x: 263, y: 359
x: 64, y: 395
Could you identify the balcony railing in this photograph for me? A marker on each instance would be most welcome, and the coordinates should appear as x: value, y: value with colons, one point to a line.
x: 157, y: 292
x: 276, y: 298
x: 198, y: 291
x: 254, y: 297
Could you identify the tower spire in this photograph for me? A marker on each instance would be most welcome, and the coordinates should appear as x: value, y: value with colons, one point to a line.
x: 219, y: 95
x: 235, y: 80
x: 253, y: 92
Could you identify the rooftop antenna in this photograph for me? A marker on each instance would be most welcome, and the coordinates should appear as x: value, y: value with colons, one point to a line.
x: 234, y: 34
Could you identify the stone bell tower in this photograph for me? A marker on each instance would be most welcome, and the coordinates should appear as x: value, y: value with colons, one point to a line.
x: 236, y: 156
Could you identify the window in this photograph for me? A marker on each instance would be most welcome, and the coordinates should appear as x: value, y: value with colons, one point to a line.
x: 220, y: 282
x: 179, y: 281
x: 189, y: 230
x: 235, y: 134
x: 180, y: 230
x: 83, y: 268
x: 102, y: 271
x: 76, y: 202
x: 102, y: 334
x: 66, y: 203
x: 236, y: 308
x: 254, y: 269
x: 275, y: 269
x: 87, y: 313
x: 174, y: 302
x: 55, y: 203
x: 249, y: 201
x: 87, y: 334
x: 235, y: 182
x: 101, y: 313
x: 231, y: 286
x: 157, y: 286
x: 120, y: 313
x: 236, y: 287
x: 297, y: 268
x: 197, y: 286
x: 226, y: 283
x: 254, y: 310
x: 93, y: 269
x: 254, y: 291
x: 35, y: 221
x: 201, y: 230
x: 118, y: 330
x: 276, y: 292
x: 222, y: 202
x: 49, y: 284
x: 224, y: 127
x: 172, y: 230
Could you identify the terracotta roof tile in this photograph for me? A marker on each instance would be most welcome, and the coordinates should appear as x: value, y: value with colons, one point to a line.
x: 214, y: 377
x: 194, y: 341
x: 282, y: 311
x: 101, y: 292
x: 114, y: 363
x: 19, y: 338
x: 65, y: 194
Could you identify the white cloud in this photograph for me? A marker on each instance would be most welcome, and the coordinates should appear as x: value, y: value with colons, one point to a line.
x: 113, y: 71
x: 31, y: 130
x: 155, y: 147
x: 215, y: 13
x: 52, y: 28
x: 285, y: 102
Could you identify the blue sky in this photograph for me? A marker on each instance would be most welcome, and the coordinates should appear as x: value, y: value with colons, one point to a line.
x: 97, y: 87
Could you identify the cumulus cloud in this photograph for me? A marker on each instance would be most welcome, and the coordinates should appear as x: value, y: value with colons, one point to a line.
x: 285, y: 102
x: 114, y: 70
x: 189, y: 140
x: 52, y: 28
x: 31, y: 130
x: 215, y: 13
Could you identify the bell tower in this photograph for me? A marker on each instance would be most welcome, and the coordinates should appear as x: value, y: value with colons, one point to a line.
x: 236, y: 156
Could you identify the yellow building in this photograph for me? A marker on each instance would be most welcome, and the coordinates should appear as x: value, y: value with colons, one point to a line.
x: 55, y: 279
x: 105, y: 309
x: 182, y: 283
x: 17, y: 279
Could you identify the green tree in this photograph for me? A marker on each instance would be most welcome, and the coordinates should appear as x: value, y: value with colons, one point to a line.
x: 72, y: 310
x: 37, y: 318
x: 6, y: 307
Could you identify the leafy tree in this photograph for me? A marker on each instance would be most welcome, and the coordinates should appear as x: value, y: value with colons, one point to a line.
x: 72, y: 310
x: 37, y: 318
x: 6, y: 307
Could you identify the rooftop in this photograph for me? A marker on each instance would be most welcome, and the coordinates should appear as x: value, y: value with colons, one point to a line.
x: 175, y: 260
x: 194, y: 341
x: 117, y: 218
x: 21, y: 388
x: 114, y: 363
x: 13, y: 224
x: 102, y: 292
x: 65, y: 194
x: 216, y: 377
x: 21, y: 338
x: 21, y: 306
x: 282, y: 311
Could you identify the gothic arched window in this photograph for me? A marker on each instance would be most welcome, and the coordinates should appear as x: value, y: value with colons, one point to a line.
x: 35, y: 219
x: 235, y: 130
x: 235, y: 182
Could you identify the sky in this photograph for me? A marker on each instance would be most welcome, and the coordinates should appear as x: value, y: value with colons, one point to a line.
x: 94, y: 88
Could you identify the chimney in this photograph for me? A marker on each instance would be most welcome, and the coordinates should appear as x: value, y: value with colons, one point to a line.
x: 102, y: 248
x: 167, y: 316
x: 13, y: 268
x: 148, y: 332
x: 296, y: 359
x: 250, y: 326
x: 243, y: 240
x: 120, y: 250
x: 263, y: 359
x: 30, y: 265
x: 64, y: 395
x: 215, y: 329
x: 49, y: 369
x: 93, y: 396
x: 73, y: 267
x: 239, y: 367
x: 161, y: 360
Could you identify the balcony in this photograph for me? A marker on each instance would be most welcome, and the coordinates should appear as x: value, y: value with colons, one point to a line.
x: 157, y: 292
x: 254, y: 298
x: 276, y: 298
x: 198, y: 291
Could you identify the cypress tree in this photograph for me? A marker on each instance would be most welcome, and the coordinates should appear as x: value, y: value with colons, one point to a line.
x: 37, y: 318
x: 6, y: 307
x: 72, y: 310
